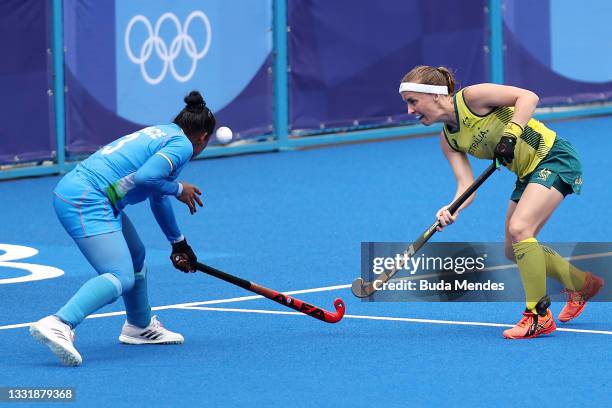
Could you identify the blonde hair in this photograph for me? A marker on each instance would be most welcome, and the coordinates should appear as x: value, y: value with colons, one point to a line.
x: 424, y: 74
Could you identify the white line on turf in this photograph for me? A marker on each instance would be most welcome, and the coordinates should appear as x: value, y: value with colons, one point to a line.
x: 325, y: 289
x: 206, y: 302
x: 395, y: 319
x: 498, y: 267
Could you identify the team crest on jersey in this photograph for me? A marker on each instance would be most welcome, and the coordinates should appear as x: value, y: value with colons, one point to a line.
x: 468, y: 122
x: 578, y: 181
x: 544, y: 174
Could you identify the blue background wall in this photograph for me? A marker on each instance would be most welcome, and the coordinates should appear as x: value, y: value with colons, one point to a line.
x: 274, y: 70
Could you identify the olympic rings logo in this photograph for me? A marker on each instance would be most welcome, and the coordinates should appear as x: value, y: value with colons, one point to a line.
x: 167, y: 54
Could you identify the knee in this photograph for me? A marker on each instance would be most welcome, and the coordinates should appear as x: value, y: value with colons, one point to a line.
x: 127, y: 282
x: 519, y: 230
x: 125, y: 278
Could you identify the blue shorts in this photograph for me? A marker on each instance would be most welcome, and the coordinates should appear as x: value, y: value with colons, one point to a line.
x: 83, y: 210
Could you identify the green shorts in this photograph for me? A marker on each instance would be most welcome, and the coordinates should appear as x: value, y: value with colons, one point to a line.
x: 560, y: 169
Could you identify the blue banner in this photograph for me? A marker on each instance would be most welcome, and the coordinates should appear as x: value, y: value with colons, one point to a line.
x: 26, y: 110
x: 129, y: 64
x: 347, y: 57
x: 552, y: 48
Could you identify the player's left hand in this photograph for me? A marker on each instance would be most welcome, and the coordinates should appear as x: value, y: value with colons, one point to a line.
x: 504, y: 151
x: 191, y: 196
x: 183, y: 258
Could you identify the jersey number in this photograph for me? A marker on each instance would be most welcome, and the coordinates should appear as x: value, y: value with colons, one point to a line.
x: 152, y: 132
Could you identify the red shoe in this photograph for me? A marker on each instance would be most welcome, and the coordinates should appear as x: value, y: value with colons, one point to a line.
x: 532, y: 325
x: 576, y: 299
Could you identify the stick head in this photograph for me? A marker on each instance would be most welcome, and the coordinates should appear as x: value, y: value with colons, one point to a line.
x: 340, y: 309
x: 359, y: 288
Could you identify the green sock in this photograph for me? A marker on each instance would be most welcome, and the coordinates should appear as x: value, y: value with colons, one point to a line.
x: 563, y: 271
x: 532, y: 267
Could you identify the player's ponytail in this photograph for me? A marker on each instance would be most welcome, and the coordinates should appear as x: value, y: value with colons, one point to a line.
x: 448, y: 78
x: 424, y: 74
x: 195, y: 118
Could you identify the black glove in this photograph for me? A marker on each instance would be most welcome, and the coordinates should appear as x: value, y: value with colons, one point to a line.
x: 504, y: 151
x: 183, y: 258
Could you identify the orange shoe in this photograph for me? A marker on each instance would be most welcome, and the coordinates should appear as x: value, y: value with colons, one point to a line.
x: 532, y: 325
x: 576, y: 299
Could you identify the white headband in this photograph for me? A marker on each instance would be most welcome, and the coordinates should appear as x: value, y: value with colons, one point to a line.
x: 423, y: 88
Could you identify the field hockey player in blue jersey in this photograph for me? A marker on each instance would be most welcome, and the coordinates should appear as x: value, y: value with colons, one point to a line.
x: 89, y: 203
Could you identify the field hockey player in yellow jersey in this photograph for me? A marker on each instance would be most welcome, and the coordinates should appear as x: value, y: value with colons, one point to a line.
x: 491, y: 121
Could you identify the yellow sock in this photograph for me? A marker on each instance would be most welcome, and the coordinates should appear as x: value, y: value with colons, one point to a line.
x: 532, y: 267
x: 563, y: 271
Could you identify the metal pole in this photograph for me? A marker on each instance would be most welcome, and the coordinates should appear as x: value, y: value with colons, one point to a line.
x: 57, y: 49
x: 496, y: 45
x: 281, y: 100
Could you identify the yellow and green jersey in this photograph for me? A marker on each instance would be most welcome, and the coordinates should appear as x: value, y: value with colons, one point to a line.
x: 478, y: 135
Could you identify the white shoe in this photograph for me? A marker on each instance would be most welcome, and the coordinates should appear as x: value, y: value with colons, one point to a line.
x: 154, y: 333
x: 57, y: 335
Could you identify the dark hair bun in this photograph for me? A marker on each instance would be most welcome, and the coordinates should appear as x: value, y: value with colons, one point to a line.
x: 195, y: 102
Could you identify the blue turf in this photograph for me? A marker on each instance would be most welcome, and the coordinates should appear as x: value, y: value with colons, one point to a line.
x: 295, y: 221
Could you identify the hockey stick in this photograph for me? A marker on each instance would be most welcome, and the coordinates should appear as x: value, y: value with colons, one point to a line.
x: 285, y: 300
x: 363, y: 289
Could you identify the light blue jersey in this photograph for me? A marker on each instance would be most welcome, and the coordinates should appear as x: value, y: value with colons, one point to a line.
x: 141, y: 165
x: 89, y: 202
x: 113, y: 168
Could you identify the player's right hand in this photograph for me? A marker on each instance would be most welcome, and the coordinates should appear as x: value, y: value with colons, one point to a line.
x: 190, y: 196
x: 445, y: 218
x: 183, y: 258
